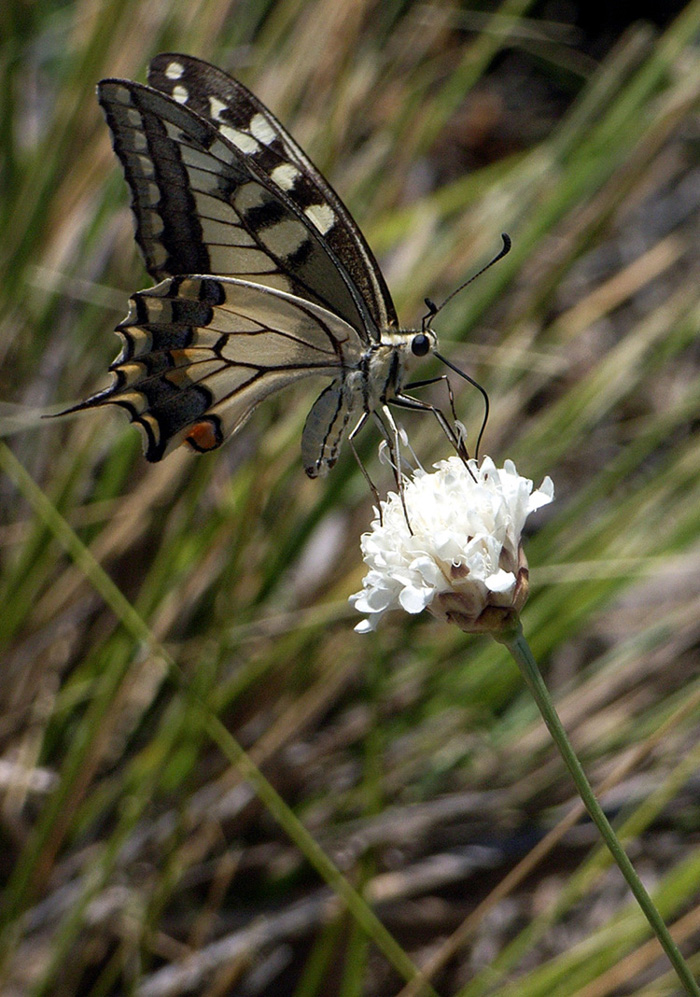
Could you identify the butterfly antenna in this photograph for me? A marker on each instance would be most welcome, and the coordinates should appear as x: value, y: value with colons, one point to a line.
x: 478, y: 387
x: 433, y: 309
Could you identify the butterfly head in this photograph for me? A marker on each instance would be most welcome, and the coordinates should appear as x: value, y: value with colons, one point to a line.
x: 410, y: 345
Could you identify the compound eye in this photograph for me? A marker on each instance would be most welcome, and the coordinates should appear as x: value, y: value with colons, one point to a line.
x: 420, y: 345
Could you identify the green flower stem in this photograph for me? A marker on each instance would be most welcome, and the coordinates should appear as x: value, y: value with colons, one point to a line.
x: 515, y: 641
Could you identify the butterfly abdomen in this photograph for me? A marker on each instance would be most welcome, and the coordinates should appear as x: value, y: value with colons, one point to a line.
x: 324, y: 429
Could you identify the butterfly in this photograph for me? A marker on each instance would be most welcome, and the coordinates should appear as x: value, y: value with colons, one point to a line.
x: 263, y: 276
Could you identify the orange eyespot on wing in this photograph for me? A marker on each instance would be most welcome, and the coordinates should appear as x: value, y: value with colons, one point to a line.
x: 205, y: 435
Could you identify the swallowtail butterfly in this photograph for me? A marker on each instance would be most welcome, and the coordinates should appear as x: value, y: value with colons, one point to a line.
x: 264, y: 277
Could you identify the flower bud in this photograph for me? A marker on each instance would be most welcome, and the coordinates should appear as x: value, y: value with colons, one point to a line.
x: 477, y: 609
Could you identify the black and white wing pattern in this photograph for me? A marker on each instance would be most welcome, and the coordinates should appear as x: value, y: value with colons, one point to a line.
x: 264, y: 277
x: 229, y: 105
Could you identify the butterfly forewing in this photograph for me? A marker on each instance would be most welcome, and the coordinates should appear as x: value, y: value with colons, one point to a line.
x: 200, y: 206
x: 233, y: 109
x: 200, y: 353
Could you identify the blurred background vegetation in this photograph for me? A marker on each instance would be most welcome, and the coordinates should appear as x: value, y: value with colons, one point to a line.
x: 133, y: 857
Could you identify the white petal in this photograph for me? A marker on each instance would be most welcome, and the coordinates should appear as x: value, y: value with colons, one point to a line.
x: 363, y: 627
x: 501, y: 581
x: 415, y: 600
x: 543, y: 496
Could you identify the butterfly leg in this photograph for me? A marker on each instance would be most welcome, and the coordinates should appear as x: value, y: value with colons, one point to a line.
x: 434, y: 380
x: 393, y: 439
x: 417, y: 405
x: 351, y: 444
x: 445, y: 378
x: 391, y: 435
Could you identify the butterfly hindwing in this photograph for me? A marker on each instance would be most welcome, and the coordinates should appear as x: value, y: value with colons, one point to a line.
x: 229, y: 105
x: 200, y: 353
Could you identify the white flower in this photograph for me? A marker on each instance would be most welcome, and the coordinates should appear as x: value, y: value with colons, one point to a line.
x: 462, y: 557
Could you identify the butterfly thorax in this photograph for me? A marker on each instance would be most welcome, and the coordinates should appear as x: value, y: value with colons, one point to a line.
x: 381, y: 371
x: 378, y: 376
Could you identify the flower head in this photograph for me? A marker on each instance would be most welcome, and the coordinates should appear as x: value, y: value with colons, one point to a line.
x: 461, y: 557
